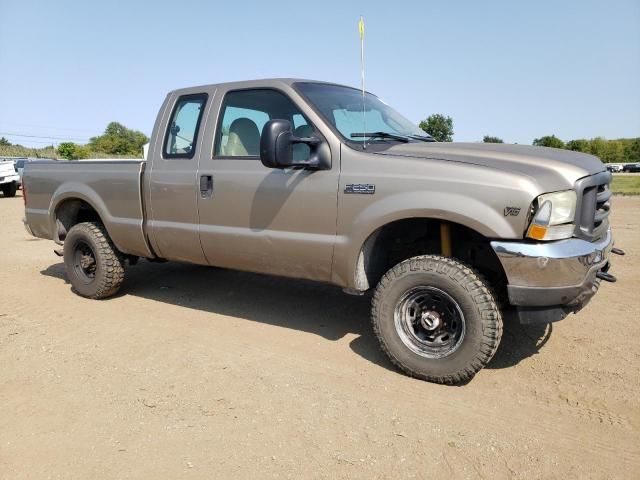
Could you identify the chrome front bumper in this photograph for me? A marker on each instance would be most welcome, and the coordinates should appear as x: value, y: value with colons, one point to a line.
x: 558, y: 276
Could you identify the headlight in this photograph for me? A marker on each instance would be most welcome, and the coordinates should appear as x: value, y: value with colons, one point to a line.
x: 554, y: 217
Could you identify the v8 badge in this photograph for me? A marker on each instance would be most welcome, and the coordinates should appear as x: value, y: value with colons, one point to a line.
x: 511, y: 211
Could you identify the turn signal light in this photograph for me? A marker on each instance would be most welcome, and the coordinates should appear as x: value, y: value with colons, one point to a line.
x: 537, y: 232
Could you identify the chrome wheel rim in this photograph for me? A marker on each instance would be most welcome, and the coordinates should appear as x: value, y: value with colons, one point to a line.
x: 429, y: 322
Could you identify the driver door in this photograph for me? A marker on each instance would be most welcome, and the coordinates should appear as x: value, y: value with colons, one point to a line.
x: 277, y: 221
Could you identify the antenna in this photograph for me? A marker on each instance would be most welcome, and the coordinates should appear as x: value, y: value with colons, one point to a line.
x: 364, y: 116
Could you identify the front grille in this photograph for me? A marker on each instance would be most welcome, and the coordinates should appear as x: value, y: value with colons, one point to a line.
x: 593, y: 205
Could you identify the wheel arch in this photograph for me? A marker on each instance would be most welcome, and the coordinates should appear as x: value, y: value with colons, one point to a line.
x: 74, y: 203
x: 72, y: 211
x: 359, y: 228
x: 402, y: 238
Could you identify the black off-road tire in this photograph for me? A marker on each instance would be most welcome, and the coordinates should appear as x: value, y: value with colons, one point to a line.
x: 9, y: 189
x: 481, y: 318
x: 108, y: 268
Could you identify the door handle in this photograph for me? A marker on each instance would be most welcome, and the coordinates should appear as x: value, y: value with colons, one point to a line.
x: 206, y: 186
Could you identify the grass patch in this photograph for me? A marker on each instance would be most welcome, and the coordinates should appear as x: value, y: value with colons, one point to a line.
x: 626, y: 185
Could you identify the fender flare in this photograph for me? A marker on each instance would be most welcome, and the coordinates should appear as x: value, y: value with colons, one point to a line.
x: 76, y: 191
x: 451, y: 207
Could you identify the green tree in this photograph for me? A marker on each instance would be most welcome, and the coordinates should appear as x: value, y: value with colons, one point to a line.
x: 549, y: 141
x: 72, y: 151
x: 598, y: 147
x: 614, y: 152
x: 580, y: 145
x: 119, y: 140
x: 4, y: 142
x: 632, y: 150
x: 490, y: 139
x: 439, y: 127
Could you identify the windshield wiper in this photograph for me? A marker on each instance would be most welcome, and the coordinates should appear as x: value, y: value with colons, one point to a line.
x: 400, y: 138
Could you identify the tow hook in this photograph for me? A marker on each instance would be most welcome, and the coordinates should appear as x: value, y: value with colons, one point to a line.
x: 607, y: 277
x: 59, y: 252
x: 617, y: 251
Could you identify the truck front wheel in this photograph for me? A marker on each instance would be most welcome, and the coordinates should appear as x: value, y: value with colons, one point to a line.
x: 436, y: 319
x: 94, y: 266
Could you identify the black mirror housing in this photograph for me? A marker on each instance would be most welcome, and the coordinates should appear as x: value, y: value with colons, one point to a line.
x: 275, y: 144
x: 276, y: 150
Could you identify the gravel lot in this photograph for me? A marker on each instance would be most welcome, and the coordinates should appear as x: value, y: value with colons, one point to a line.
x: 196, y: 372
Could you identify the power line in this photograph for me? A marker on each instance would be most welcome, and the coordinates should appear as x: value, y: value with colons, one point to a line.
x: 43, y: 142
x: 43, y: 136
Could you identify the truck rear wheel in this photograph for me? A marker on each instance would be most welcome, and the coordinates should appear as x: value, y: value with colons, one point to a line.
x: 94, y: 266
x: 9, y: 189
x: 436, y: 319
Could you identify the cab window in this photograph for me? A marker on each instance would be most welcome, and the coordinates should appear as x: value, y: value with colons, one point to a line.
x: 182, y: 131
x: 244, y: 114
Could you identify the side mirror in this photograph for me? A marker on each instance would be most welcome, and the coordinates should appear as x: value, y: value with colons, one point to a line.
x: 276, y: 150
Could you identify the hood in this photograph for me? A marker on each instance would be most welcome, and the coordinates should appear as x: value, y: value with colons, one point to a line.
x: 538, y: 163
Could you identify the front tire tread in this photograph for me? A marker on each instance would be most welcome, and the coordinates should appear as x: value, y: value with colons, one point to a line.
x: 473, y: 282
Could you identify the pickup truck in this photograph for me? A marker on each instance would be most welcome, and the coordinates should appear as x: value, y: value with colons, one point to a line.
x: 9, y: 178
x: 319, y: 181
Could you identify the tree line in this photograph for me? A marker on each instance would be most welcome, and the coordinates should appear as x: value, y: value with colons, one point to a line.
x: 621, y: 150
x: 116, y: 141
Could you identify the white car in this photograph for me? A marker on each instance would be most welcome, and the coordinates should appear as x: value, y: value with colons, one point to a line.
x: 9, y: 178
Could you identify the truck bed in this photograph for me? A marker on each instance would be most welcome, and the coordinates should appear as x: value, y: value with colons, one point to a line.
x: 112, y: 188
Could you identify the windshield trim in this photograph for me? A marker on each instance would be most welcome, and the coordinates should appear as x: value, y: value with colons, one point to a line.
x: 376, y: 144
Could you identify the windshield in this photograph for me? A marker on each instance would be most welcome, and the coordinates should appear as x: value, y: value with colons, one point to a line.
x: 342, y: 108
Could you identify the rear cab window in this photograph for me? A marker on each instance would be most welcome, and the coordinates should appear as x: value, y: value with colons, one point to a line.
x: 182, y: 131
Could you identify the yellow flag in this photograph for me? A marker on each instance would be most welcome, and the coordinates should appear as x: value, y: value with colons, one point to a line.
x: 361, y: 28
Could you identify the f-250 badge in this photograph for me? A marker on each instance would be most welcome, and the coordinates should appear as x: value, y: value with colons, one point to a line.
x: 365, y: 188
x: 511, y: 211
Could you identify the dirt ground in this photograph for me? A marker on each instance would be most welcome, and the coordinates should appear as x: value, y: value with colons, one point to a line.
x: 196, y: 372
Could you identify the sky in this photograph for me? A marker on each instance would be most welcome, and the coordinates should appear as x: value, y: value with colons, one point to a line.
x: 514, y: 69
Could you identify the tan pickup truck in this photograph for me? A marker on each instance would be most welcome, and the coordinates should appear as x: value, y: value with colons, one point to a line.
x: 313, y: 180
